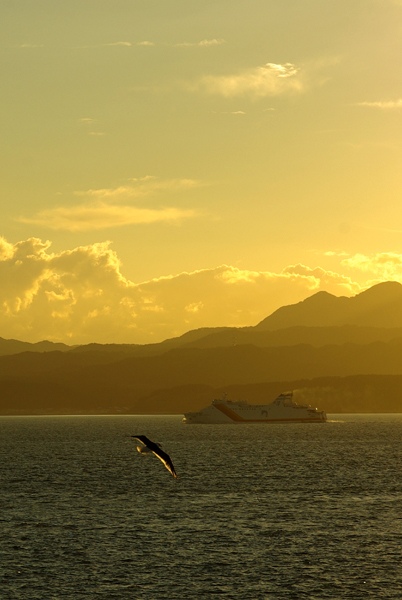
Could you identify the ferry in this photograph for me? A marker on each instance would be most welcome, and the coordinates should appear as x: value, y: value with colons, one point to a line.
x: 282, y: 410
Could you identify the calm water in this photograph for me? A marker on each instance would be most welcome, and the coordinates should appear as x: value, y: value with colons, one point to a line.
x: 259, y: 511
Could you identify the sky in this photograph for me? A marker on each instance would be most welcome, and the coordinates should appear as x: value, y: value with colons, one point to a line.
x: 174, y: 164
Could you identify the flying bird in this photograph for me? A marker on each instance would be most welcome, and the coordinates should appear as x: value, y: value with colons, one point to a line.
x: 154, y: 448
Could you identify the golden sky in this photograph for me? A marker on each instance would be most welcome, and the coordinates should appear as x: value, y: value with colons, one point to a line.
x: 168, y: 165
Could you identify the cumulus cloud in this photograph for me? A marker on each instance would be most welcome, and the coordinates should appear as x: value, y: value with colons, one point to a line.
x: 81, y: 295
x: 387, y: 265
x: 6, y: 249
x: 108, y: 207
x: 268, y: 80
x: 384, y: 105
x: 323, y: 279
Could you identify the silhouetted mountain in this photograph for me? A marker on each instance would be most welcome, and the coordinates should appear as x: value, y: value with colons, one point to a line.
x: 379, y: 306
x: 318, y: 344
x: 46, y: 364
x: 101, y: 382
x: 321, y: 319
x: 353, y: 394
x: 191, y: 338
x: 315, y: 336
x: 232, y: 336
x: 15, y: 346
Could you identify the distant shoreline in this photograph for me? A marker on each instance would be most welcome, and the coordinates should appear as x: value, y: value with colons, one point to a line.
x: 95, y: 414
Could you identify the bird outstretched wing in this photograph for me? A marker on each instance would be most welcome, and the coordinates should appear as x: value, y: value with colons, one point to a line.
x: 155, y: 449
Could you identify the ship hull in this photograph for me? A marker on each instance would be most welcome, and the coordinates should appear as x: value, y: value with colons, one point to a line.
x: 282, y: 410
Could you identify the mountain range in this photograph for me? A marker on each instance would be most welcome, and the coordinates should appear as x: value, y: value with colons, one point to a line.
x: 338, y: 353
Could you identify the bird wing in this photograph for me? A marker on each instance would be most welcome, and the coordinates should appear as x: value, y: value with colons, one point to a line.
x: 154, y: 448
x: 165, y: 458
x: 143, y: 439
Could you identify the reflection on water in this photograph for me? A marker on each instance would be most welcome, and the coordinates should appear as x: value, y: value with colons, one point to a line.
x: 259, y: 511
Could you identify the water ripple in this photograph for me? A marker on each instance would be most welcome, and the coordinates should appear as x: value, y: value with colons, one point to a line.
x: 258, y: 512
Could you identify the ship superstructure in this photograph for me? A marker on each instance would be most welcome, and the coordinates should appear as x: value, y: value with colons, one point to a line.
x: 282, y: 410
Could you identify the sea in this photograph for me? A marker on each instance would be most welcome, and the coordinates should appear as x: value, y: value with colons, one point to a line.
x: 259, y: 511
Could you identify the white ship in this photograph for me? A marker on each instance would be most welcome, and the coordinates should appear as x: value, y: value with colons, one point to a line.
x: 281, y: 410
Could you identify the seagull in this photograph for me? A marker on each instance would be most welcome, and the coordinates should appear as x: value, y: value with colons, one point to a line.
x: 154, y: 448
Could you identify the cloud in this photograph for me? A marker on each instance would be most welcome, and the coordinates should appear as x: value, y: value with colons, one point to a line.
x: 81, y: 295
x: 145, y: 186
x: 146, y: 178
x: 321, y: 278
x: 6, y: 249
x: 386, y: 265
x: 108, y: 207
x: 335, y: 253
x: 123, y: 44
x: 119, y: 44
x: 269, y: 80
x: 384, y: 105
x: 202, y: 44
x: 231, y: 112
x: 31, y: 46
x: 101, y: 215
x: 89, y: 121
